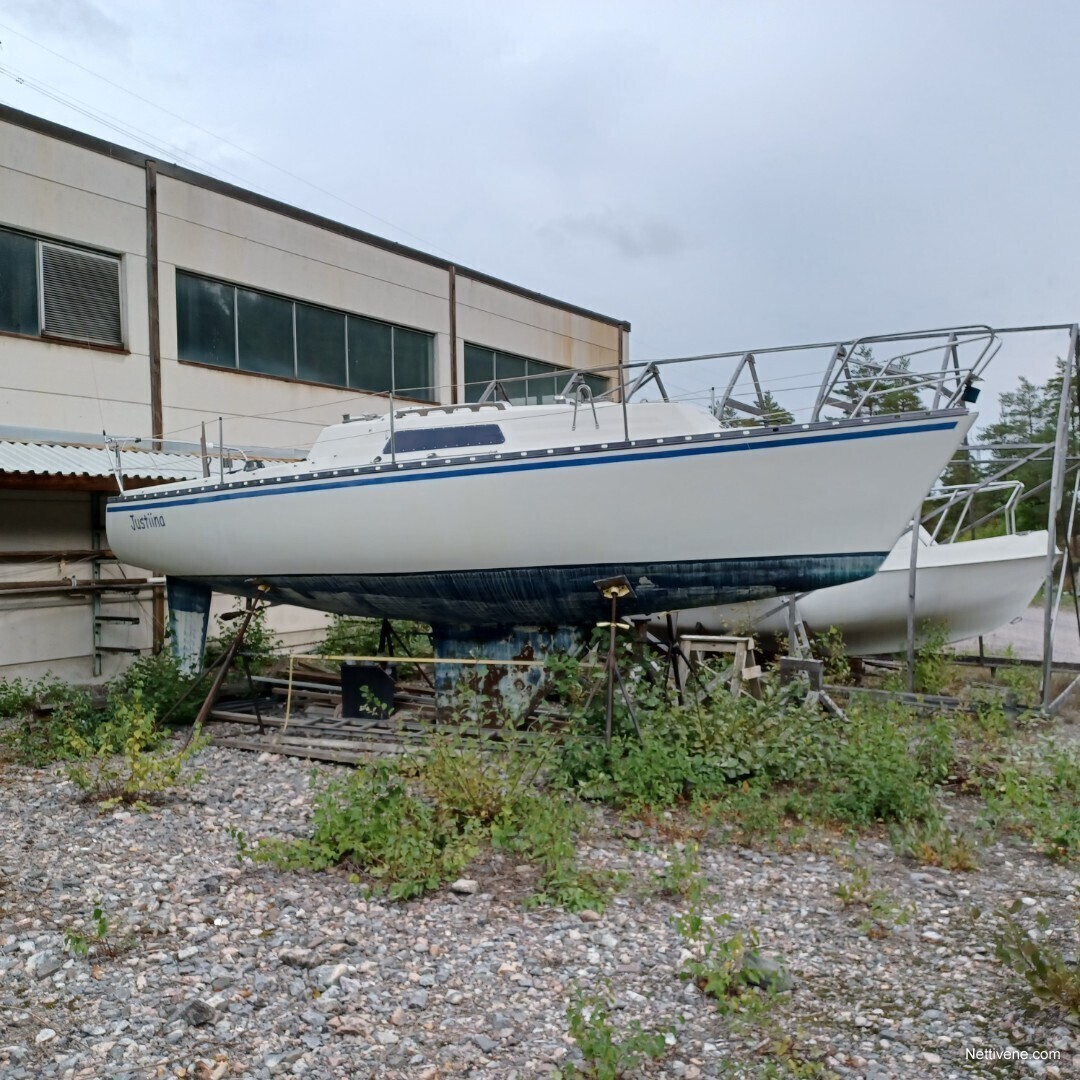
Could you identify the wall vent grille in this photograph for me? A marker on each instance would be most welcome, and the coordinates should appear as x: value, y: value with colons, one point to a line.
x: 81, y: 295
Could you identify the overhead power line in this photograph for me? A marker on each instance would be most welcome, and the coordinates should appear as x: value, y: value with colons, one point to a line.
x: 218, y: 138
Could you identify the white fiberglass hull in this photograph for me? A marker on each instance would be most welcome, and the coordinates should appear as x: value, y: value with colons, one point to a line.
x: 519, y: 538
x: 966, y: 589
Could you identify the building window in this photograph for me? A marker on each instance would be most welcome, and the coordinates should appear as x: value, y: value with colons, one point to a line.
x: 527, y: 382
x: 56, y: 290
x: 229, y: 326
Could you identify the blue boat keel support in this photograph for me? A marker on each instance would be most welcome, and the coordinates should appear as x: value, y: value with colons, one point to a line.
x: 189, y: 617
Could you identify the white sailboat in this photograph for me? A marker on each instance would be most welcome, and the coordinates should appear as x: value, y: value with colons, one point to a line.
x: 497, y: 515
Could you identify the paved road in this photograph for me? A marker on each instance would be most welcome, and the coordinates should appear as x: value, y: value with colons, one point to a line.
x: 1025, y: 635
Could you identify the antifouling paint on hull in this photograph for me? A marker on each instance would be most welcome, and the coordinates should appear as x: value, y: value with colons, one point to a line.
x: 560, y: 596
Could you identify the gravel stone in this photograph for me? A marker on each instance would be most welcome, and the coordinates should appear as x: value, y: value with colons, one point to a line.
x: 246, y: 971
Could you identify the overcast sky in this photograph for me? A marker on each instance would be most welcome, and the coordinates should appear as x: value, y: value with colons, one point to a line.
x: 722, y: 174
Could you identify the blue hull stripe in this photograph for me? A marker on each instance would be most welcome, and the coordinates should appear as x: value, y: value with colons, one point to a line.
x: 123, y: 504
x: 554, y: 595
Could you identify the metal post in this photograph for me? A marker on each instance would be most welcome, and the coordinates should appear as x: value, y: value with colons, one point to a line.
x: 912, y: 566
x: 838, y: 354
x: 453, y: 337
x: 221, y: 449
x: 205, y: 458
x: 609, y: 709
x: 622, y: 388
x: 1057, y: 476
x: 153, y: 305
x: 950, y: 353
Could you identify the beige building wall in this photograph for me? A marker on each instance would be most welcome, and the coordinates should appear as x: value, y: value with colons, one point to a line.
x: 60, y: 185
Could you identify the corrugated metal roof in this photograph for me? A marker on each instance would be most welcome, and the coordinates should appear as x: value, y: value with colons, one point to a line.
x: 58, y: 459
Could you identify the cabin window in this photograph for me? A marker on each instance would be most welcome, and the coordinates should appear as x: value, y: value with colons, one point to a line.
x: 57, y: 290
x: 445, y: 438
x: 248, y: 330
x: 526, y: 381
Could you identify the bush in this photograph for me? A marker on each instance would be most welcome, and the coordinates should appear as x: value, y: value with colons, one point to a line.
x: 54, y: 720
x: 412, y: 825
x: 119, y: 764
x: 371, y: 822
x: 881, y: 765
x: 261, y: 645
x: 348, y: 636
x: 931, y: 661
x: 1039, y: 797
x: 874, y: 775
x: 161, y: 684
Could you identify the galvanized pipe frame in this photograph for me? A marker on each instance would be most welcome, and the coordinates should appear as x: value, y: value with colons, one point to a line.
x: 841, y: 353
x: 1057, y: 478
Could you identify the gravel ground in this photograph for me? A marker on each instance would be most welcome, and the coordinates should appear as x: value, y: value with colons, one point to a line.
x: 1024, y: 635
x: 248, y: 971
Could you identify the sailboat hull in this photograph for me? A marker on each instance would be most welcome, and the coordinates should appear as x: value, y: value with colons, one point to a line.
x: 520, y: 538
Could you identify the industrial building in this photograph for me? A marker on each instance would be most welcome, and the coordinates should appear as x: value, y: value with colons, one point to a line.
x: 140, y: 300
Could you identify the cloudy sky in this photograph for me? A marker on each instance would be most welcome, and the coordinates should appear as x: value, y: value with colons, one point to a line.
x: 724, y: 174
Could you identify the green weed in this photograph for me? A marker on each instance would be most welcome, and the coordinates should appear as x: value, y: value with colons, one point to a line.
x: 411, y: 826
x: 260, y: 646
x: 120, y: 764
x: 95, y: 940
x: 606, y: 1053
x: 1053, y: 980
x: 934, y: 844
x: 728, y: 968
x: 1038, y: 796
x: 830, y: 649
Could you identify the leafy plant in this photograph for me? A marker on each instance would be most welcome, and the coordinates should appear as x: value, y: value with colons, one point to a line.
x: 607, y: 1055
x: 95, y: 941
x: 1038, y: 795
x: 934, y: 844
x: 260, y: 646
x: 136, y: 773
x: 161, y: 684
x: 1052, y: 979
x: 16, y: 697
x: 480, y: 779
x: 412, y: 825
x: 54, y: 720
x: 681, y: 876
x: 544, y: 831
x: 931, y: 660
x: 370, y: 821
x: 348, y: 636
x: 829, y: 647
x: 726, y: 967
